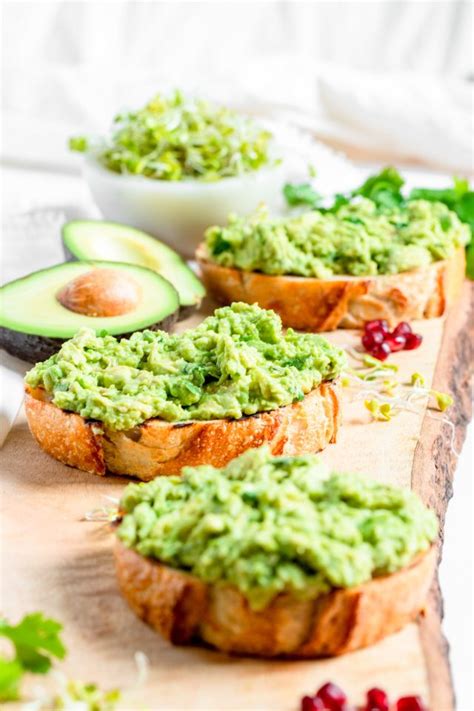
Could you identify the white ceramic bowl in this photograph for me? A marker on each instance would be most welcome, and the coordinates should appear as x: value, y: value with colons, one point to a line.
x: 179, y: 212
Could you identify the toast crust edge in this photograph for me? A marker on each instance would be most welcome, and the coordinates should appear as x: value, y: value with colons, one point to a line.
x: 310, y: 304
x: 156, y: 447
x: 182, y: 608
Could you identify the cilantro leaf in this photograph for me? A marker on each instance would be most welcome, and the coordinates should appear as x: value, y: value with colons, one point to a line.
x: 385, y: 189
x: 36, y: 640
x: 459, y: 199
x: 11, y: 672
x: 301, y: 194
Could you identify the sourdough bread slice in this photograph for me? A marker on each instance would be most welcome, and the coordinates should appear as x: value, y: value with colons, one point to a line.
x: 310, y: 304
x: 181, y: 607
x: 157, y: 447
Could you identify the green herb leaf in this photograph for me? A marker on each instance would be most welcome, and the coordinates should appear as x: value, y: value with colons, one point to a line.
x: 11, y: 672
x: 36, y: 641
x: 302, y: 194
x: 459, y: 199
x: 384, y: 189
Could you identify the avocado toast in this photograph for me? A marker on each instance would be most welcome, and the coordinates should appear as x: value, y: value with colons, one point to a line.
x: 325, y: 270
x: 155, y: 402
x: 274, y: 556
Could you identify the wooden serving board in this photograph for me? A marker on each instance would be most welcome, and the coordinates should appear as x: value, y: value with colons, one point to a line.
x: 52, y: 560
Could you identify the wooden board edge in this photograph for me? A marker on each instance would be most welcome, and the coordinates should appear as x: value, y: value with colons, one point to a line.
x: 433, y: 470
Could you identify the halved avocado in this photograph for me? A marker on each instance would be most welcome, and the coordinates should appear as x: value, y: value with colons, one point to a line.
x: 42, y: 310
x: 95, y: 239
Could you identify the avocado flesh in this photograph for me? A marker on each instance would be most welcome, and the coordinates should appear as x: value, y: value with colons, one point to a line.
x: 33, y: 324
x: 94, y: 239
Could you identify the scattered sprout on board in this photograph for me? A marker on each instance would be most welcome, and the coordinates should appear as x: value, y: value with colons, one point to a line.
x: 175, y: 137
x: 384, y: 395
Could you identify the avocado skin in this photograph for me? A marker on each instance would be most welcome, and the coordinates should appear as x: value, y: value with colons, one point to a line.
x: 33, y: 348
x: 184, y: 311
x: 28, y: 346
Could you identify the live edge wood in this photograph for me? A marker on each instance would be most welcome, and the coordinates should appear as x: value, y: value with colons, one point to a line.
x: 432, y: 476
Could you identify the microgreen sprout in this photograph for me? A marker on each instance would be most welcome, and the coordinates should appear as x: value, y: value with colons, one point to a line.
x: 389, y: 386
x: 379, y: 410
x: 443, y: 400
x: 372, y: 362
x: 175, y: 137
x: 418, y: 380
x: 106, y: 514
x: 385, y: 395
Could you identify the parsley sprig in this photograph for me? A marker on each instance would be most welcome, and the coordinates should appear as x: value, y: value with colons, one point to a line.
x: 36, y: 641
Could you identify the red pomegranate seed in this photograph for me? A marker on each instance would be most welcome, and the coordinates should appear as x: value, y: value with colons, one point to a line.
x: 396, y: 343
x: 403, y: 329
x: 377, y: 700
x: 379, y: 324
x: 332, y: 696
x: 410, y: 703
x: 413, y: 340
x: 374, y: 338
x: 311, y: 703
x: 381, y: 351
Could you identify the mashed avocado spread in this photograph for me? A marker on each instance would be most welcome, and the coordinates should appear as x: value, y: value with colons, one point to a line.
x: 272, y: 524
x: 358, y: 239
x: 236, y: 362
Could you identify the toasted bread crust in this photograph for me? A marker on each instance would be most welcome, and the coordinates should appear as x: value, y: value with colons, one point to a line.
x: 157, y: 447
x: 312, y: 304
x: 181, y: 607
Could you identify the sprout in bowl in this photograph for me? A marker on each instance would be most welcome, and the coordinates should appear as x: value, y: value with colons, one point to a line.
x: 178, y: 165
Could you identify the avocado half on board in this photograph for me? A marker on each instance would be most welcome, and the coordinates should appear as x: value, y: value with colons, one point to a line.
x: 96, y: 239
x: 43, y: 309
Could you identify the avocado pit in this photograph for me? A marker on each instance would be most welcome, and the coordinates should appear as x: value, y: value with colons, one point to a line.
x: 101, y: 293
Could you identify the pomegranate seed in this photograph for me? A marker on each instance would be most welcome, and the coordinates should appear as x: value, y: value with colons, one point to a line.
x: 403, y: 329
x: 395, y: 343
x: 377, y: 700
x: 311, y: 703
x: 413, y: 340
x: 410, y: 703
x: 379, y: 324
x: 374, y: 338
x: 332, y: 696
x: 380, y: 351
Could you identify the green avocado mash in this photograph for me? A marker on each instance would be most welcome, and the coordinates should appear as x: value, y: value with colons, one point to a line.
x: 236, y: 362
x: 175, y: 137
x: 357, y: 239
x: 272, y: 524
